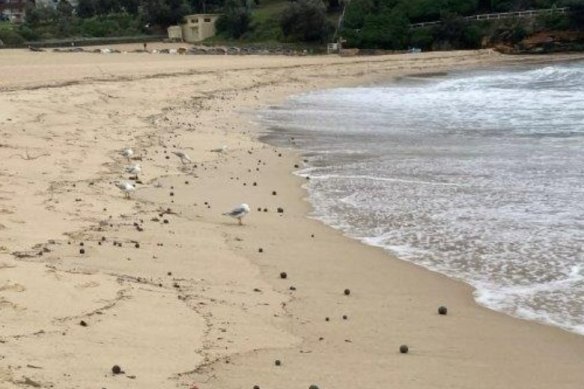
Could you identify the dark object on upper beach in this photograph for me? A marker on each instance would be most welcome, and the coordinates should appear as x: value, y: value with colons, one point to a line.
x: 347, y: 292
x: 296, y: 166
x: 165, y: 221
x: 256, y: 387
x: 280, y: 210
x: 82, y: 323
x: 442, y: 310
x: 260, y: 250
x: 265, y: 209
x: 274, y: 193
x: 277, y: 362
x: 292, y: 288
x: 117, y: 370
x: 345, y: 317
x: 81, y: 251
x: 327, y: 318
x: 137, y: 245
x: 283, y: 275
x: 313, y: 387
x: 404, y: 349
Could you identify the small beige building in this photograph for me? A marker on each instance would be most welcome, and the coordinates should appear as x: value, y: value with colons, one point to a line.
x: 195, y: 28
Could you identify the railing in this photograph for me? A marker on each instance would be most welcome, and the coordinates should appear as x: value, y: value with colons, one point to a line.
x: 499, y: 16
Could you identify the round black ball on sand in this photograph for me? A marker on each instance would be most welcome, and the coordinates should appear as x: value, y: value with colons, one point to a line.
x: 116, y: 369
x: 82, y: 323
x: 403, y: 349
x: 313, y: 387
x: 280, y: 210
x: 260, y: 250
x: 256, y: 387
x: 137, y: 245
x: 283, y: 275
x: 442, y: 310
x: 82, y: 251
x: 345, y: 317
x: 277, y: 362
x: 347, y: 292
x: 274, y: 193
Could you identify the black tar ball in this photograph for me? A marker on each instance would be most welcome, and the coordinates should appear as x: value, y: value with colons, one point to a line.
x: 116, y: 369
x: 347, y: 292
x: 260, y: 250
x: 274, y: 193
x: 256, y: 387
x: 313, y: 387
x: 403, y: 349
x: 277, y: 362
x: 82, y: 251
x: 283, y: 275
x: 82, y: 323
x: 442, y: 310
x: 280, y: 210
x: 172, y: 193
x: 345, y: 317
x: 137, y: 245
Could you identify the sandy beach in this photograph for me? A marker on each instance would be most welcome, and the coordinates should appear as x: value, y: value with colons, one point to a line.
x: 180, y: 296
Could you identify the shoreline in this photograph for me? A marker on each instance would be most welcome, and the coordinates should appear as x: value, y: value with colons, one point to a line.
x: 204, y: 278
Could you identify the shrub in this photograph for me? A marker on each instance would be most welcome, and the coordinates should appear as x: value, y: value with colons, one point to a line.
x: 11, y: 37
x: 235, y: 20
x: 306, y: 21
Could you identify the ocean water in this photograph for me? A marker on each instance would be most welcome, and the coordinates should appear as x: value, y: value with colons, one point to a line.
x: 477, y: 175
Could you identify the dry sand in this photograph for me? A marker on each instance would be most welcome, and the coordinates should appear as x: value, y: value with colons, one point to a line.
x: 179, y: 295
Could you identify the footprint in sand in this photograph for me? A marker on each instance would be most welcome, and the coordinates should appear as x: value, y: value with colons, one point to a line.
x: 5, y: 304
x: 12, y: 287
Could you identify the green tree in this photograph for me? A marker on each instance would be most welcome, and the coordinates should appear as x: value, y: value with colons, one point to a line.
x: 86, y: 8
x: 305, y: 20
x: 576, y: 14
x: 235, y: 20
x: 388, y: 30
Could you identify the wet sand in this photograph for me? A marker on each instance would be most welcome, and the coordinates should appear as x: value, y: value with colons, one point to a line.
x: 178, y: 295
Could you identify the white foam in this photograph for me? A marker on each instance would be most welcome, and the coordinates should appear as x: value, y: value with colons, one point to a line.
x: 477, y: 176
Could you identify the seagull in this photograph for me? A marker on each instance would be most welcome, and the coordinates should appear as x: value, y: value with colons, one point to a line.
x: 221, y: 149
x: 126, y: 187
x: 128, y: 153
x: 183, y: 156
x: 238, y: 212
x: 134, y: 169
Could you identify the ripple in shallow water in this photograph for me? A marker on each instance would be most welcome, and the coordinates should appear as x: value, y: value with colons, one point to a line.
x: 479, y: 176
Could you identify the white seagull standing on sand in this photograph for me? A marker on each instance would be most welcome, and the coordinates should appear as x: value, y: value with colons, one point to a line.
x: 128, y: 153
x: 238, y: 212
x: 184, y: 157
x: 126, y: 187
x: 134, y: 169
